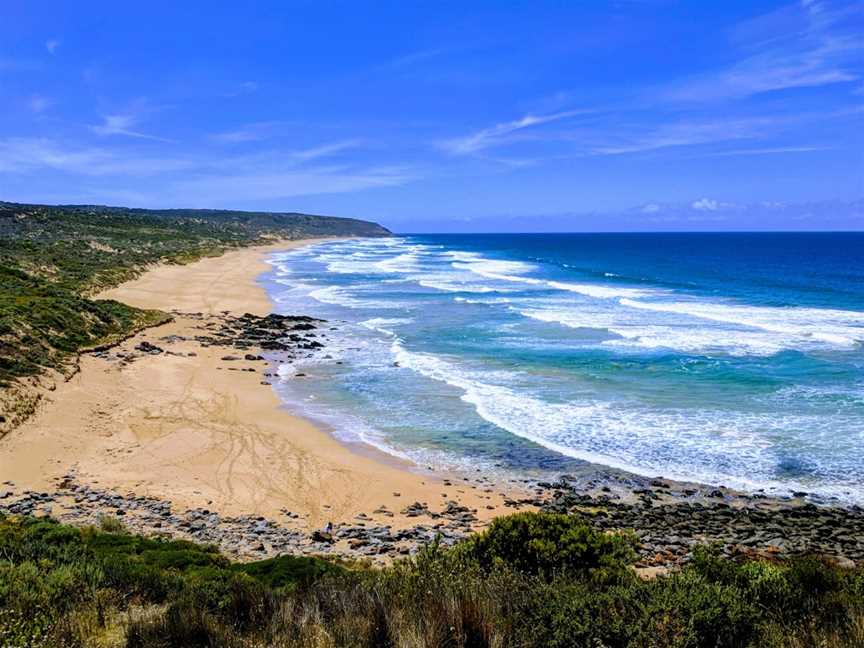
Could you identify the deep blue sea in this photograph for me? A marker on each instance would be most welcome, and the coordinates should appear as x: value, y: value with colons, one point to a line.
x: 733, y: 359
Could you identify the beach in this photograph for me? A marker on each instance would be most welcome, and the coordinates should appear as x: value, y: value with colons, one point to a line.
x: 178, y: 431
x: 202, y: 432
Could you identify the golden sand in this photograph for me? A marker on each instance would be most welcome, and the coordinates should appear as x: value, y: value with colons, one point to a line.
x: 189, y: 430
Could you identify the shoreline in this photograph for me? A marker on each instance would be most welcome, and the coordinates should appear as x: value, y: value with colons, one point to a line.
x: 178, y: 431
x: 189, y: 423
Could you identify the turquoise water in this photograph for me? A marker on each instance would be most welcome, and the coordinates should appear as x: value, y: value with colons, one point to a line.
x: 733, y: 359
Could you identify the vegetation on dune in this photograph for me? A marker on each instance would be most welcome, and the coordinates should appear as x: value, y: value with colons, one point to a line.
x: 569, y: 585
x: 53, y: 258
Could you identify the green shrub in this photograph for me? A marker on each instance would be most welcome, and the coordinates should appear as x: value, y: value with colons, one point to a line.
x: 288, y: 571
x: 686, y: 609
x: 549, y: 544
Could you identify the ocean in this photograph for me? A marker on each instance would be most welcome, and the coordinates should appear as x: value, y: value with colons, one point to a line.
x: 733, y: 359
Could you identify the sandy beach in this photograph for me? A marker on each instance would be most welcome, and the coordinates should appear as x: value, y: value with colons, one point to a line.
x: 192, y: 441
x: 188, y: 427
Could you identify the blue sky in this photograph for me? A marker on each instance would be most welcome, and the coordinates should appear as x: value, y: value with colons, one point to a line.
x: 440, y: 115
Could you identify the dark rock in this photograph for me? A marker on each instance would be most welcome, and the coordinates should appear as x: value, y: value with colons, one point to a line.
x: 322, y: 536
x: 146, y: 347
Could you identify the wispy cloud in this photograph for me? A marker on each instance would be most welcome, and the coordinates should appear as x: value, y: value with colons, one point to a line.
x: 200, y: 179
x: 501, y: 133
x: 680, y: 133
x: 123, y: 124
x: 52, y: 45
x: 248, y: 133
x: 262, y: 131
x: 415, y: 57
x: 805, y: 44
x: 243, y: 88
x: 228, y: 189
x: 638, y: 136
x: 325, y: 150
x: 23, y: 154
x: 775, y: 150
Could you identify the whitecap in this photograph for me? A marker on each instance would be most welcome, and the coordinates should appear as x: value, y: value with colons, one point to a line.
x: 600, y: 291
x: 833, y: 327
x: 712, y: 446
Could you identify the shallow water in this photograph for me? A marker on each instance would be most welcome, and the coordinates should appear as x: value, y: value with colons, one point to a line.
x: 722, y: 358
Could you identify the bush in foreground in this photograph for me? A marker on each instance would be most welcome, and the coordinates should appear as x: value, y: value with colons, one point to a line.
x: 529, y: 580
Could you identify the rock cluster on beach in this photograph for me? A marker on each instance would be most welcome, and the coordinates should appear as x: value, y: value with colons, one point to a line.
x: 246, y: 536
x: 285, y: 333
x: 670, y: 524
x: 284, y: 337
x: 666, y: 531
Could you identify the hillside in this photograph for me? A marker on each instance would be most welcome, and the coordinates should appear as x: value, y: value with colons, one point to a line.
x: 53, y: 258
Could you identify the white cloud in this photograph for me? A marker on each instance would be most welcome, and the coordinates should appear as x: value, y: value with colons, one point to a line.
x: 651, y: 208
x: 497, y: 135
x: 122, y: 124
x: 52, y: 45
x: 705, y: 204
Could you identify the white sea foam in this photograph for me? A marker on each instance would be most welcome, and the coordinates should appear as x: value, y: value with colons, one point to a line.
x: 405, y: 262
x: 342, y: 296
x: 601, y: 291
x: 839, y: 398
x: 385, y: 324
x: 336, y: 296
x: 713, y: 446
x: 513, y: 271
x: 484, y: 300
x: 449, y: 286
x: 629, y: 333
x: 627, y: 330
x: 346, y: 266
x: 834, y: 327
x: 421, y: 263
x: 494, y: 268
